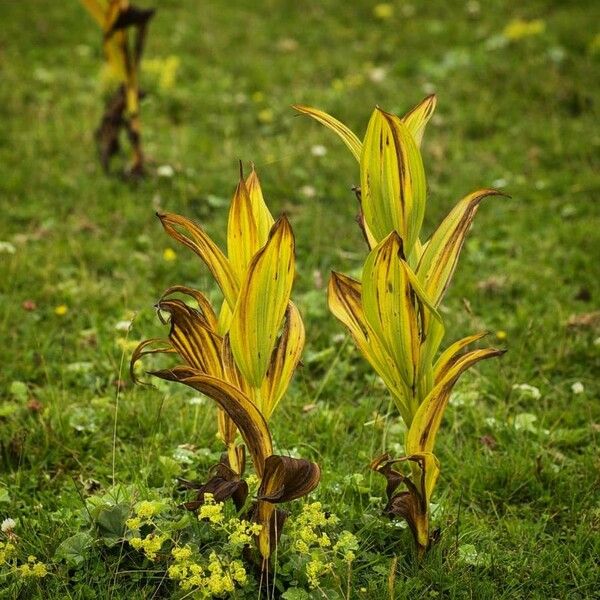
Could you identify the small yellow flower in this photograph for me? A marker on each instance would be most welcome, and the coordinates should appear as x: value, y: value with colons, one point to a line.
x: 169, y: 255
x: 519, y: 29
x: 147, y: 509
x: 501, y: 334
x: 383, y: 11
x: 39, y: 570
x: 212, y: 512
x: 181, y: 554
x: 61, y: 310
x: 133, y: 523
x: 136, y: 543
x: 265, y: 115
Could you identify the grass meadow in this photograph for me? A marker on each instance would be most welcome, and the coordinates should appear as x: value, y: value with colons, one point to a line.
x: 83, y: 254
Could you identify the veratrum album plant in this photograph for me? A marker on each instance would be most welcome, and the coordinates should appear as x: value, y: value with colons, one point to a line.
x: 245, y: 358
x: 392, y: 313
x: 123, y: 55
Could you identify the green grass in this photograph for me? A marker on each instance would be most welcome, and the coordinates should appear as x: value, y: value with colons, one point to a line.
x: 520, y: 115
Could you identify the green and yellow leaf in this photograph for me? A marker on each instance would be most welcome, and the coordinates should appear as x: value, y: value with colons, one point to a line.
x: 191, y: 335
x: 247, y: 417
x: 449, y: 356
x: 262, y: 303
x: 392, y: 180
x: 198, y: 241
x: 440, y: 256
x: 345, y: 303
x: 262, y: 216
x: 346, y: 135
x: 284, y: 360
x: 242, y: 232
x: 390, y: 307
x: 417, y: 118
x: 423, y: 430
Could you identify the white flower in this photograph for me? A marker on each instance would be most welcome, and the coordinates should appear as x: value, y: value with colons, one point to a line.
x: 318, y: 150
x: 528, y: 390
x: 8, y: 525
x: 308, y: 191
x: 577, y: 387
x: 377, y: 74
x: 122, y: 325
x: 165, y: 171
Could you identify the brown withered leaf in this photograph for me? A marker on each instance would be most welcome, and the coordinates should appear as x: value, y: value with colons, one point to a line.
x: 408, y: 504
x: 132, y: 15
x: 225, y: 483
x: 286, y: 478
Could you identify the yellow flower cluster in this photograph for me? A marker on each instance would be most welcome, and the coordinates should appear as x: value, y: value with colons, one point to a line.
x: 150, y: 545
x: 346, y: 545
x: 148, y: 509
x: 214, y: 579
x: 210, y: 510
x: 315, y: 569
x: 7, y: 550
x: 323, y: 549
x: 241, y: 532
x: 33, y: 568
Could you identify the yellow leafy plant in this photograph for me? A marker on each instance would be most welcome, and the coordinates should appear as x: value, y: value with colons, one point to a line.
x: 123, y: 55
x: 243, y: 359
x: 392, y: 314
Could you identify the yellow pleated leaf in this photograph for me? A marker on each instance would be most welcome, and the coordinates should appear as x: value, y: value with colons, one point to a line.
x: 449, y: 356
x: 146, y: 348
x: 417, y: 118
x: 246, y: 416
x: 231, y: 372
x: 225, y: 315
x: 345, y: 302
x: 426, y: 422
x: 440, y: 256
x: 262, y: 216
x: 202, y: 301
x: 242, y: 231
x: 390, y: 305
x: 262, y: 303
x: 284, y: 360
x: 346, y: 135
x: 198, y: 241
x: 97, y: 10
x: 392, y: 180
x: 191, y: 335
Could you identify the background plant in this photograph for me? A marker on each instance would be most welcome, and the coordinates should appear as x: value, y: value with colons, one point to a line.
x: 124, y: 28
